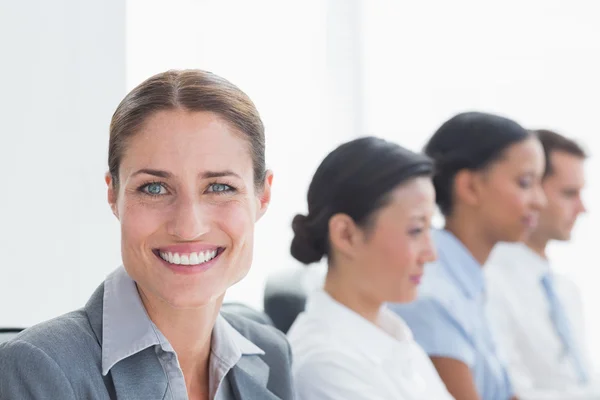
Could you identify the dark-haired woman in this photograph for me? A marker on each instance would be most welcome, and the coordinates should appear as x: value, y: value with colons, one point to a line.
x: 369, y: 209
x: 487, y: 181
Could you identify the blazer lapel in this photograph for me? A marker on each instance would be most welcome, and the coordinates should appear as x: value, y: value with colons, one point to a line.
x: 94, y: 311
x: 140, y: 377
x: 249, y: 379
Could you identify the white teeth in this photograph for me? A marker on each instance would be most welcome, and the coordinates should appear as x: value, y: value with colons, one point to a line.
x: 190, y: 258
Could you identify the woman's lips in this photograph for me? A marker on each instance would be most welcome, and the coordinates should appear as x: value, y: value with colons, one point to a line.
x: 416, y: 279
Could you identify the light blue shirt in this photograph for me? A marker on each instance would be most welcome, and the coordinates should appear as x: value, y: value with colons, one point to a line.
x: 448, y: 319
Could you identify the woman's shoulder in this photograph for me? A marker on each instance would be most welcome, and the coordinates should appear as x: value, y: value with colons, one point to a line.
x: 59, y: 338
x: 60, y: 333
x: 439, y: 286
x: 311, y: 332
x: 48, y: 357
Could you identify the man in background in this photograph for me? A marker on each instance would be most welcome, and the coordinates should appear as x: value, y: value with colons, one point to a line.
x: 535, y: 314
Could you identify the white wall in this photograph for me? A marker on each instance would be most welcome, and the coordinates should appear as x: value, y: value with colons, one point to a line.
x: 62, y: 74
x: 535, y: 61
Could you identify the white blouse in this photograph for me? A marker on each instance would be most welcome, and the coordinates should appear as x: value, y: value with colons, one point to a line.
x: 339, y: 355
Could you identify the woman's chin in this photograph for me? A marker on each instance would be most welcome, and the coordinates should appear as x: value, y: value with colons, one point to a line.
x: 517, y: 235
x: 407, y: 296
x: 190, y: 297
x: 182, y: 302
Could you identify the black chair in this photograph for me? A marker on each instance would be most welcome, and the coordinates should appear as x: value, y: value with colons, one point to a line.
x: 286, y: 292
x: 248, y: 312
x: 8, y: 333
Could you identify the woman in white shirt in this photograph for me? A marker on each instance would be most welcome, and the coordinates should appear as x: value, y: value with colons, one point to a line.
x: 369, y: 209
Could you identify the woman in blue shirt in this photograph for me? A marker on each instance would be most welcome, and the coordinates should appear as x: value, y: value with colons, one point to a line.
x: 487, y: 181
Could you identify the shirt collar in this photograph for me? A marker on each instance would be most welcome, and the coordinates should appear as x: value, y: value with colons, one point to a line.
x: 376, y: 343
x: 230, y: 345
x: 127, y: 329
x: 520, y: 259
x: 459, y: 262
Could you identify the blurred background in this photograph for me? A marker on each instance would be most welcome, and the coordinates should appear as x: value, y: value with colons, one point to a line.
x: 320, y: 72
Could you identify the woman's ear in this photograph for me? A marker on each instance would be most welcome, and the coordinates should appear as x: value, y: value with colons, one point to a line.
x: 344, y: 234
x: 111, y: 194
x: 264, y: 197
x: 466, y: 187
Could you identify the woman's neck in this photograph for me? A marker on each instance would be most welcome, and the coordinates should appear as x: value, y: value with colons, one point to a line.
x: 346, y: 293
x: 471, y: 236
x: 189, y: 331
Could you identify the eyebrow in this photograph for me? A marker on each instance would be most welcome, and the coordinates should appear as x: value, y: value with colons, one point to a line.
x: 420, y: 218
x: 166, y: 174
x: 219, y: 174
x: 154, y: 172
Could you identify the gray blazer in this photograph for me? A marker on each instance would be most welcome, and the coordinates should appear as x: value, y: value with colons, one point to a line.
x: 61, y: 360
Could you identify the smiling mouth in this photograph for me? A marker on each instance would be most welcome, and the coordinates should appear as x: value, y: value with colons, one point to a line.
x: 194, y: 258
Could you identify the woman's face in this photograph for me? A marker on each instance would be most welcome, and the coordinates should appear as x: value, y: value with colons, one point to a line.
x: 187, y: 205
x: 509, y: 192
x: 397, y: 244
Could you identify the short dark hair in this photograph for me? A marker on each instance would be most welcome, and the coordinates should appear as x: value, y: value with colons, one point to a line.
x: 190, y: 90
x: 354, y: 179
x: 470, y: 140
x: 555, y: 142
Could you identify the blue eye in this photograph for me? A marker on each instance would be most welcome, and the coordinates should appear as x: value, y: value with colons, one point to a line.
x: 154, y: 189
x: 219, y: 188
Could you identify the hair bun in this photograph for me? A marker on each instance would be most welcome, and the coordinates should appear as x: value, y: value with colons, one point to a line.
x: 305, y: 247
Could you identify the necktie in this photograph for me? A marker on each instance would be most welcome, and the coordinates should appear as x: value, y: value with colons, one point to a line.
x: 563, y: 327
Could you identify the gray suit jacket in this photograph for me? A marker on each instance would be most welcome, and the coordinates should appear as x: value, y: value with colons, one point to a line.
x: 61, y: 360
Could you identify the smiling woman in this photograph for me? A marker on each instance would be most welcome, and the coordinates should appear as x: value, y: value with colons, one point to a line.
x: 185, y: 186
x: 187, y: 182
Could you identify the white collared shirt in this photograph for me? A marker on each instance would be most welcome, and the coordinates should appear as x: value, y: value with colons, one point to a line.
x: 339, y: 355
x: 519, y: 313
